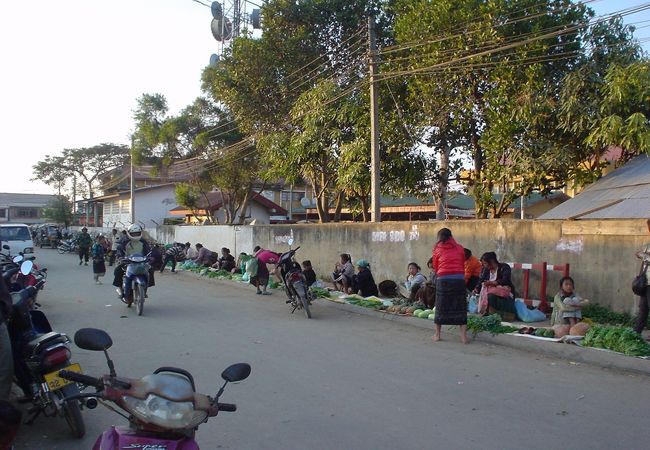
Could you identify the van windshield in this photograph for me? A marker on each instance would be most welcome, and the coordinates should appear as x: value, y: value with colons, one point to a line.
x: 14, y: 234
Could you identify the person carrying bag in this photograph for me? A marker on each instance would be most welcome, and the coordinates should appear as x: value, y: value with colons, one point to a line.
x: 640, y: 287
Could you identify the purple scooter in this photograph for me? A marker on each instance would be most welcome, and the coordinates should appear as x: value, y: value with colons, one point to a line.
x: 164, y: 409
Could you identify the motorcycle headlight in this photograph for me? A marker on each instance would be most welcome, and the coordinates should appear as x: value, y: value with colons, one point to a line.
x: 165, y: 413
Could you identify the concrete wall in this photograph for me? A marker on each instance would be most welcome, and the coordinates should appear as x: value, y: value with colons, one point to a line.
x: 601, y: 253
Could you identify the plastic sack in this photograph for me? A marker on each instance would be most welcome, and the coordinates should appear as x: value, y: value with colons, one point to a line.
x: 251, y: 267
x: 529, y: 315
x: 472, y: 304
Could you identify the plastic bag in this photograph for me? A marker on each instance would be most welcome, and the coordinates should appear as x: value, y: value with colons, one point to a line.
x: 251, y: 267
x: 472, y: 305
x: 529, y: 315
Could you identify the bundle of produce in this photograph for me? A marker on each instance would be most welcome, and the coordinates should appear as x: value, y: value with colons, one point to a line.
x: 545, y: 332
x: 237, y: 277
x: 319, y: 292
x: 365, y: 302
x: 618, y: 339
x: 492, y: 323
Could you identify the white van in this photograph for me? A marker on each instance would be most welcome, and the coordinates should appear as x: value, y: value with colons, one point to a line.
x: 17, y: 237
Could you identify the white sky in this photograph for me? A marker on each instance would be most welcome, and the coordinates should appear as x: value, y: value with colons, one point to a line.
x: 73, y: 69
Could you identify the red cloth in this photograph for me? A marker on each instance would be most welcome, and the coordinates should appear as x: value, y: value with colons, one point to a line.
x: 449, y: 258
x: 267, y: 257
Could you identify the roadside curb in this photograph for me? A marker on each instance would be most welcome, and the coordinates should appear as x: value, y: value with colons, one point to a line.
x: 572, y: 353
x: 569, y: 352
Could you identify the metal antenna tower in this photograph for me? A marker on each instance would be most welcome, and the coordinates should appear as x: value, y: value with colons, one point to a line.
x: 229, y: 19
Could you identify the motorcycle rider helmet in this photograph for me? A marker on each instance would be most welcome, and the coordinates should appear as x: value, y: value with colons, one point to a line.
x: 134, y: 232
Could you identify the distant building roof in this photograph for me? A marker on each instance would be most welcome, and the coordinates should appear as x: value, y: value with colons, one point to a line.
x: 623, y: 194
x: 8, y: 199
x: 215, y: 202
x: 126, y: 193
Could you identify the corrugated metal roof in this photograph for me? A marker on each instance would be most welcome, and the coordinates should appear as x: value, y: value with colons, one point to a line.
x: 623, y: 194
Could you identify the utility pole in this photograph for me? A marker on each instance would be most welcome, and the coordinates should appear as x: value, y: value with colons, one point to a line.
x: 375, y: 202
x: 132, y: 188
x: 74, y: 195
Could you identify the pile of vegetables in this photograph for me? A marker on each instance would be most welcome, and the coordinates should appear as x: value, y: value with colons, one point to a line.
x: 603, y: 315
x: 365, y: 302
x: 319, y: 292
x: 618, y: 339
x: 492, y: 324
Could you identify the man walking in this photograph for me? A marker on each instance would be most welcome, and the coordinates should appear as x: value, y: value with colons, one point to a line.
x: 85, y: 242
x: 115, y: 244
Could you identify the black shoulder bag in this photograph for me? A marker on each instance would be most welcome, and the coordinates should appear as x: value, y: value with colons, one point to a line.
x: 640, y: 282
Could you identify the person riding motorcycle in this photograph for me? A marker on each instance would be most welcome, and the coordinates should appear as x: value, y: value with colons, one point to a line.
x: 134, y: 245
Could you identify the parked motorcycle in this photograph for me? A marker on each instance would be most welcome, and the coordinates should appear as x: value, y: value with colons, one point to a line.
x: 295, y: 284
x: 19, y: 280
x: 137, y: 273
x: 164, y: 410
x: 68, y: 246
x: 39, y: 354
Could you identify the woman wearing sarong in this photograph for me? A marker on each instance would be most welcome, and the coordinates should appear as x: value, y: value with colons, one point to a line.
x: 497, y: 293
x: 451, y: 294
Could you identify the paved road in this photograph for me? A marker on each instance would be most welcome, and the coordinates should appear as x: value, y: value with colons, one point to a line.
x: 339, y: 381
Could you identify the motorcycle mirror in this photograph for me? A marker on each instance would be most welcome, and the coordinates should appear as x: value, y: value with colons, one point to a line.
x: 18, y: 259
x: 92, y: 339
x: 236, y: 372
x: 26, y: 267
x: 6, y: 247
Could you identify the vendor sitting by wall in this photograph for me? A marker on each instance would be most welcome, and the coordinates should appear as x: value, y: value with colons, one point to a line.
x: 343, y: 273
x: 473, y: 269
x: 364, y: 283
x: 497, y: 293
x: 414, y: 281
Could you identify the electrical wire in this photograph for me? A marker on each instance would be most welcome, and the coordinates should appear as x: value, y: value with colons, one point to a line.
x: 461, y: 33
x: 201, y: 3
x: 509, y: 45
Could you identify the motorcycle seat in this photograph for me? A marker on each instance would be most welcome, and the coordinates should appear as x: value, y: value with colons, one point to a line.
x: 34, y: 346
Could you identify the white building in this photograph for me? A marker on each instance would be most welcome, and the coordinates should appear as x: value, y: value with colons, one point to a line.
x: 152, y: 205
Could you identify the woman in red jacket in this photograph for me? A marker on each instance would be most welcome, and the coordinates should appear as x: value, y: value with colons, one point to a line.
x: 451, y: 294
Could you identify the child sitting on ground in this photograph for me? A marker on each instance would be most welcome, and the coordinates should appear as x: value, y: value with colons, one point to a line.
x: 567, y: 304
x: 308, y: 272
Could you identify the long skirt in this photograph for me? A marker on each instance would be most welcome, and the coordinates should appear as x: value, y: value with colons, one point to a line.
x: 99, y: 266
x: 451, y: 302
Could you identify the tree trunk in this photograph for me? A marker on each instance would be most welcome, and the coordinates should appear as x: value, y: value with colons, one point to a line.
x: 244, y: 207
x: 443, y: 182
x: 364, y: 208
x: 324, y: 199
x: 339, y: 206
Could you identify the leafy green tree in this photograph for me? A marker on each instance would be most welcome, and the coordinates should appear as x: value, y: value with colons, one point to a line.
x: 87, y: 164
x: 53, y: 172
x: 625, y: 110
x: 59, y: 210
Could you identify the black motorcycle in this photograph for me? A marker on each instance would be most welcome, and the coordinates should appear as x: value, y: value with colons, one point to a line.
x: 39, y: 354
x: 295, y: 283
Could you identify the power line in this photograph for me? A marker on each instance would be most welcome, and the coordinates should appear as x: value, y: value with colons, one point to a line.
x: 512, y: 45
x: 462, y: 33
x: 201, y: 3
